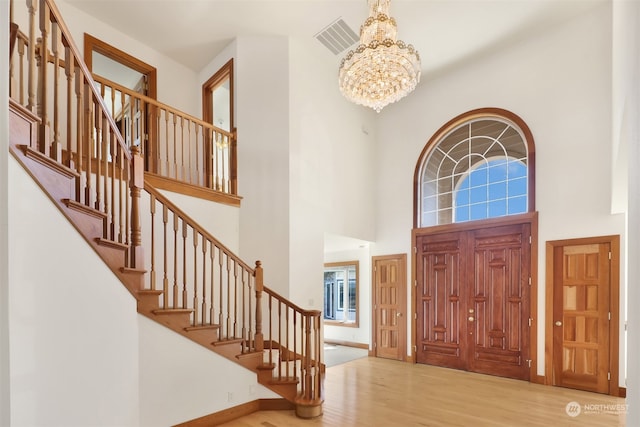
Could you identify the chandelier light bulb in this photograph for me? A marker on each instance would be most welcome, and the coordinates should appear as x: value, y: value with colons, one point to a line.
x: 381, y: 69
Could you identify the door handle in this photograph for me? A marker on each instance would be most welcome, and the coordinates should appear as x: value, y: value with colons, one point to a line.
x: 398, y: 314
x: 558, y: 323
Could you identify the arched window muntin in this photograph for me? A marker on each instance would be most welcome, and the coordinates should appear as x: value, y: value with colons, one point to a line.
x: 461, y: 146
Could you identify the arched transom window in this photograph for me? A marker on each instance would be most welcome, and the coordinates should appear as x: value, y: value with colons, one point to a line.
x: 478, y: 166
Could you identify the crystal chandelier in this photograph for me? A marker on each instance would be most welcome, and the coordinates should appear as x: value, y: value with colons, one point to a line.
x: 382, y: 69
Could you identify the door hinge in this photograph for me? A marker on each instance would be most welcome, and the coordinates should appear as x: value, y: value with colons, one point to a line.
x: 609, y: 315
x: 609, y: 256
x: 415, y: 283
x: 375, y: 344
x: 529, y: 280
x: 415, y: 316
x: 529, y: 239
x: 415, y: 249
x: 415, y: 348
x: 530, y: 320
x: 608, y: 376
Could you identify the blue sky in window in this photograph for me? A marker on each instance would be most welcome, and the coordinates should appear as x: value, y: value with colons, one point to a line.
x: 496, y: 188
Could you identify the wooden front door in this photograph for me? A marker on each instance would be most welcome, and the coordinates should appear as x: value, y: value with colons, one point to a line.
x: 473, y: 300
x: 581, y: 314
x: 389, y: 306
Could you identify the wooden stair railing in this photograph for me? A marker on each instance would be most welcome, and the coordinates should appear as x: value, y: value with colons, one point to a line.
x: 177, y: 145
x: 62, y: 132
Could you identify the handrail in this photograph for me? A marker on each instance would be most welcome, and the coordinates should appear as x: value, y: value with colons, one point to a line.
x: 289, y: 304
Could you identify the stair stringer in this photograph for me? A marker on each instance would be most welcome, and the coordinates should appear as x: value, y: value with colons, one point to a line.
x: 58, y: 183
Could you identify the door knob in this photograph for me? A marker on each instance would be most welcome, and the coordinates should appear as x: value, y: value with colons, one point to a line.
x: 471, y: 319
x: 558, y: 323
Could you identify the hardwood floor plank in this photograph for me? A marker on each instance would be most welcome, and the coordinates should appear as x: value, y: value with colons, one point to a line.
x: 379, y: 392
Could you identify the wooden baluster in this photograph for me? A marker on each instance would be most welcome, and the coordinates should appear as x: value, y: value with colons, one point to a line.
x: 235, y: 298
x: 204, y: 281
x: 113, y: 149
x: 280, y: 347
x: 125, y: 225
x: 212, y: 278
x: 221, y: 299
x: 175, y: 148
x: 123, y: 122
x: 295, y: 343
x: 211, y: 161
x: 21, y: 50
x: 318, y: 370
x: 224, y: 157
x: 306, y: 357
x: 79, y: 131
x: 152, y: 272
x: 246, y: 341
x: 183, y: 171
x: 250, y: 337
x: 166, y: 144
x: 137, y: 185
x: 69, y: 64
x: 233, y: 170
x: 189, y: 149
x: 175, y: 258
x: 43, y: 87
x: 259, y: 285
x: 228, y: 299
x: 99, y: 141
x: 184, y: 264
x: 107, y: 141
x: 87, y: 139
x: 31, y: 78
x: 197, y: 177
x: 286, y: 339
x: 196, y: 302
x: 165, y: 277
x: 270, y: 314
x: 56, y: 149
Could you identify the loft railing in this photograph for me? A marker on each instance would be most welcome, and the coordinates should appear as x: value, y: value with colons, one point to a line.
x: 174, y: 144
x: 189, y: 267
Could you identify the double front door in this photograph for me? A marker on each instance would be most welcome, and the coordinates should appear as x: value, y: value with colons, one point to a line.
x: 472, y: 299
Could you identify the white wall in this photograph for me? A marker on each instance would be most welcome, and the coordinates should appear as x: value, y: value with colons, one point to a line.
x: 559, y: 83
x: 361, y: 334
x: 181, y: 380
x: 73, y: 327
x: 626, y: 132
x: 262, y: 119
x: 332, y: 168
x: 5, y: 391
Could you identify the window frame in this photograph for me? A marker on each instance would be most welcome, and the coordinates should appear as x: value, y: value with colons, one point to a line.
x: 343, y: 266
x: 462, y: 119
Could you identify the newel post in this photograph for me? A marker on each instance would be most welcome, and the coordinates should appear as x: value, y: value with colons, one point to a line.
x: 136, y: 184
x: 258, y: 275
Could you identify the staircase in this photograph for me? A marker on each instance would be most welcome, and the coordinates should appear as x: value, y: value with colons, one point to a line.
x: 182, y: 277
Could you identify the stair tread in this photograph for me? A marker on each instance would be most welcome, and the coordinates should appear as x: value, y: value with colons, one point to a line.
x: 150, y: 292
x: 111, y: 243
x: 201, y: 327
x: 227, y: 341
x: 169, y: 311
x: 284, y: 380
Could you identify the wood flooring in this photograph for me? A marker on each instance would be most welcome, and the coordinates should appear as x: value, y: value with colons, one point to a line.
x: 378, y: 392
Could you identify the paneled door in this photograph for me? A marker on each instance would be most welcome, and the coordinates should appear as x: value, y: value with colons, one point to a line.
x: 581, y: 310
x: 472, y: 300
x: 389, y: 306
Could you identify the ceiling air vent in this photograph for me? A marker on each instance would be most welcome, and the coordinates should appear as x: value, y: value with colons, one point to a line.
x: 337, y: 36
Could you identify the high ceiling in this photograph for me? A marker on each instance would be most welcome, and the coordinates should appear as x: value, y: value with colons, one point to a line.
x: 445, y: 32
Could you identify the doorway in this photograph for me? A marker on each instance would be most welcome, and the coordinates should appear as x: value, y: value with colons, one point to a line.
x: 582, y: 313
x: 389, y: 306
x: 473, y: 298
x: 133, y: 118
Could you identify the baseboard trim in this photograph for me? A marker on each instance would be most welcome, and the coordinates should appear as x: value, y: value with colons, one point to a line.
x: 622, y: 392
x: 363, y: 346
x: 236, y: 412
x: 538, y: 379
